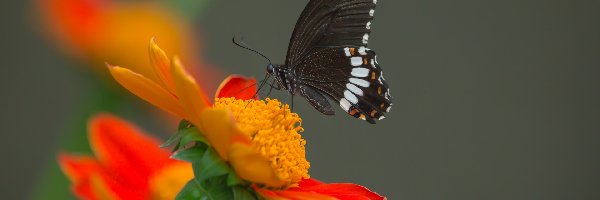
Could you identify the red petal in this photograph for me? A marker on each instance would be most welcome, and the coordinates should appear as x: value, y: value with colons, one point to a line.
x: 307, y: 187
x: 237, y: 86
x: 78, y: 168
x: 309, y: 182
x: 126, y: 152
x: 91, y: 181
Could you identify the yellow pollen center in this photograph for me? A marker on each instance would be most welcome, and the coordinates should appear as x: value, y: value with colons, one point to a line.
x: 166, y: 183
x: 275, y: 134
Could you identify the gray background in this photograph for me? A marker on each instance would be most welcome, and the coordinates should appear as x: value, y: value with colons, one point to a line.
x: 492, y: 99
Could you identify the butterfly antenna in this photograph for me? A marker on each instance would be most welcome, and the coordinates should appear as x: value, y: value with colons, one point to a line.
x: 262, y: 83
x: 242, y: 44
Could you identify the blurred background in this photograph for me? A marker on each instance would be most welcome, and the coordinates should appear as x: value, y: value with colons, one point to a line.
x: 492, y: 99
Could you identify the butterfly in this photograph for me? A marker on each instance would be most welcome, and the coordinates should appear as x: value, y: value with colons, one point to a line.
x: 328, y: 57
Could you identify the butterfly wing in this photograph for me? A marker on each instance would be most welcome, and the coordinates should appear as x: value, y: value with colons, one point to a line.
x: 329, y: 23
x: 351, y: 76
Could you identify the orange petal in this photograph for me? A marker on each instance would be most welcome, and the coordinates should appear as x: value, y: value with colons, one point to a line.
x: 251, y: 166
x: 218, y: 126
x: 191, y: 97
x: 160, y: 64
x: 147, y: 90
x: 237, y: 86
x: 130, y: 154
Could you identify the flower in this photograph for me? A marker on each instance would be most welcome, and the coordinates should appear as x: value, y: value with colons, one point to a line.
x: 128, y: 164
x: 177, y: 92
x: 259, y: 139
x: 98, y: 30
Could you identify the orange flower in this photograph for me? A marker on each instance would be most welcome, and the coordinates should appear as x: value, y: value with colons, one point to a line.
x: 259, y: 139
x: 100, y: 30
x: 128, y: 164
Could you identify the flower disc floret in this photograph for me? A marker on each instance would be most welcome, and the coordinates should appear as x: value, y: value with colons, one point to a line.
x: 275, y: 133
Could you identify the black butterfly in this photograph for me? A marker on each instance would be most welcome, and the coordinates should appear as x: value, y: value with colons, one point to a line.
x: 328, y: 57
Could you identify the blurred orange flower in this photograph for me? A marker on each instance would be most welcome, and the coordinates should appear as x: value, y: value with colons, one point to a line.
x: 99, y: 30
x: 128, y: 164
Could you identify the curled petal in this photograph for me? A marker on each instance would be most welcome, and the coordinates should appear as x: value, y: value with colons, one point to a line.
x: 190, y: 95
x: 237, y: 86
x: 160, y: 64
x: 147, y: 90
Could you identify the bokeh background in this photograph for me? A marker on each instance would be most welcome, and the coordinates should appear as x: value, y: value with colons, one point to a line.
x: 492, y: 99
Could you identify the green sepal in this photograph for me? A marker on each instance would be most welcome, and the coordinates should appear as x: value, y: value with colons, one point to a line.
x: 211, y: 189
x: 210, y: 165
x: 241, y: 193
x: 191, y: 154
x: 190, y: 191
x: 233, y: 179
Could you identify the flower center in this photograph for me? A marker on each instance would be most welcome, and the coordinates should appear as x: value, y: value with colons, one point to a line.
x: 165, y: 184
x: 275, y: 134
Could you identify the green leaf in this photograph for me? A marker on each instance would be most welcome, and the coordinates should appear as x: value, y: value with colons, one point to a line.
x: 211, y: 165
x: 243, y: 193
x: 192, y: 154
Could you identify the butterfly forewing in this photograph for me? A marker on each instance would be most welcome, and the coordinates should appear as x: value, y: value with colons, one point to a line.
x: 328, y: 23
x: 328, y: 57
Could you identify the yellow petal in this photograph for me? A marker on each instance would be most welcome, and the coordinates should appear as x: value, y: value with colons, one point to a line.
x: 251, y: 166
x: 147, y: 90
x: 160, y: 65
x: 232, y: 144
x: 218, y: 126
x: 191, y: 97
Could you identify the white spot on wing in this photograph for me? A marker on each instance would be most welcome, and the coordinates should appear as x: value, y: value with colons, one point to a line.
x: 345, y: 104
x: 360, y: 72
x: 374, y: 1
x: 382, y: 117
x: 365, y: 39
x: 356, y: 61
x: 373, y: 63
x: 371, y: 12
x: 359, y: 82
x: 350, y: 97
x: 362, y: 51
x: 354, y: 89
x: 347, y: 51
x: 369, y: 25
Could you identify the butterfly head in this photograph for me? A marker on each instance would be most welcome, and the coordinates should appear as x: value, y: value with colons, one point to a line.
x: 271, y: 69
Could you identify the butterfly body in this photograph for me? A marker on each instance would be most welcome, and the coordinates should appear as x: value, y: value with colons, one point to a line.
x: 328, y: 58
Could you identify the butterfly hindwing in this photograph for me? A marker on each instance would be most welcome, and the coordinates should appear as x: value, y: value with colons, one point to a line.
x: 351, y: 76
